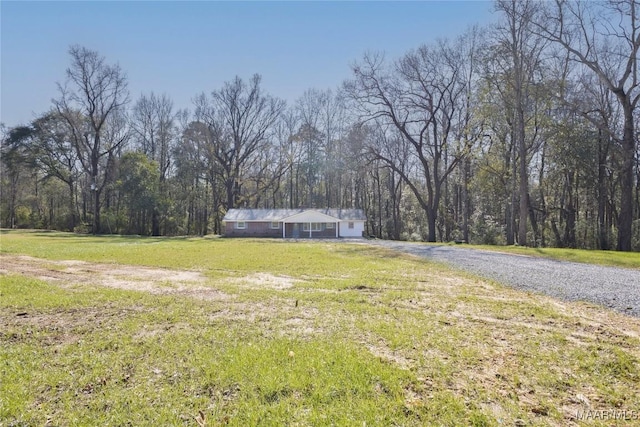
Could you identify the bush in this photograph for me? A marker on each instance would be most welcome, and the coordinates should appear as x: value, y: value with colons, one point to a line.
x: 23, y: 217
x: 82, y: 228
x: 485, y: 230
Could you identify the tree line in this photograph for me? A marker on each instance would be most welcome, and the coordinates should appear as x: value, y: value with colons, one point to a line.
x: 523, y: 132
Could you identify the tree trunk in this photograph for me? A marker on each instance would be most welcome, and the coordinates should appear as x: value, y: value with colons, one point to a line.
x: 569, y: 213
x: 229, y: 185
x: 523, y: 189
x: 155, y: 222
x: 431, y: 222
x: 534, y: 222
x: 466, y: 209
x: 603, y: 234
x: 73, y: 219
x: 15, y: 178
x: 95, y: 189
x: 625, y: 218
x: 396, y: 196
x: 96, y: 212
x: 376, y: 178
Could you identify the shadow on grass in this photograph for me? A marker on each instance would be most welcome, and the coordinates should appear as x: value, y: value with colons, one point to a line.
x: 366, y: 250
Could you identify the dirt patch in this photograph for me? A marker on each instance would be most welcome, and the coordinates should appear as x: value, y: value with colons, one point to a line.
x: 277, y: 317
x: 379, y: 348
x: 61, y: 327
x: 158, y: 281
x: 266, y: 280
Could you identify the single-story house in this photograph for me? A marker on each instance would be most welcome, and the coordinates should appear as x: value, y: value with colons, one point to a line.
x: 294, y: 223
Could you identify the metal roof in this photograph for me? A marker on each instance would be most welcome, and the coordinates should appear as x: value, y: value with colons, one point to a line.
x: 274, y: 215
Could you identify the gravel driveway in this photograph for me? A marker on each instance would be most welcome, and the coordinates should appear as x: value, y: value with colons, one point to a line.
x: 616, y: 288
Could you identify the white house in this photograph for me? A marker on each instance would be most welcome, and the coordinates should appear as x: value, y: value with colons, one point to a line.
x: 294, y: 223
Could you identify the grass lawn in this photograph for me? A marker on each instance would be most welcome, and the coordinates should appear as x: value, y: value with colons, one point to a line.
x: 609, y: 258
x: 242, y: 332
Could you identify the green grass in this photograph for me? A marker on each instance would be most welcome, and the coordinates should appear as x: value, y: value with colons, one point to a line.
x: 351, y: 335
x: 608, y: 258
x: 214, y: 255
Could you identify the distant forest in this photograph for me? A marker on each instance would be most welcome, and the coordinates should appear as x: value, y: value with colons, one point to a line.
x: 525, y: 132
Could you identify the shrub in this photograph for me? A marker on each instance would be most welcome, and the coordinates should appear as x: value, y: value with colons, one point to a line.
x: 485, y: 230
x: 23, y: 217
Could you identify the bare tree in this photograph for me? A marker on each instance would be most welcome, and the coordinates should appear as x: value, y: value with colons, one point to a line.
x: 605, y: 38
x: 333, y: 127
x: 419, y: 97
x: 289, y: 152
x: 388, y: 150
x: 93, y: 97
x: 521, y: 50
x: 240, y: 118
x: 309, y: 108
x: 153, y: 129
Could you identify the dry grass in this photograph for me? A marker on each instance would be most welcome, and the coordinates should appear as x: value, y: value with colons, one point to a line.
x: 379, y: 338
x: 157, y: 281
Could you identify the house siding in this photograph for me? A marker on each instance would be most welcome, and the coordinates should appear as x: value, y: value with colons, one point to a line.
x: 356, y: 231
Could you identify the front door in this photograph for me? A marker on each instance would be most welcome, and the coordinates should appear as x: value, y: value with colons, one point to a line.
x: 296, y: 231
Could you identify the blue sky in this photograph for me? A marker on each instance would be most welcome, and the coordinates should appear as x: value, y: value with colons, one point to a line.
x: 185, y: 48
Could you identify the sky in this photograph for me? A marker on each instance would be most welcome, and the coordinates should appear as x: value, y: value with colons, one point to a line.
x: 184, y: 48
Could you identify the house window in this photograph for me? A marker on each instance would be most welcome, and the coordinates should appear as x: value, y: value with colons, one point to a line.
x: 329, y: 226
x: 275, y: 225
x: 315, y: 226
x: 351, y: 225
x: 241, y: 225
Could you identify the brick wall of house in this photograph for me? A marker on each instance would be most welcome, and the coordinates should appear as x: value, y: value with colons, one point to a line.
x: 253, y: 229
